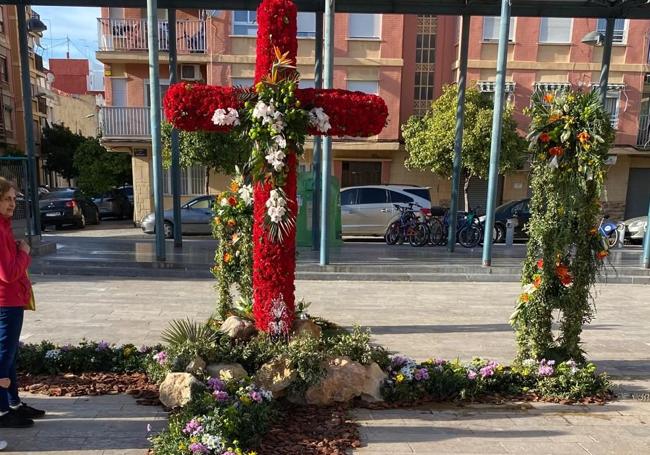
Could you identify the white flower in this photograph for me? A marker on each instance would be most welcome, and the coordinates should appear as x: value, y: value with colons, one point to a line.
x: 554, y: 164
x: 529, y: 288
x: 222, y: 117
x: 224, y: 202
x: 275, y: 158
x: 246, y: 194
x: 212, y: 442
x: 276, y: 213
x: 319, y: 119
x: 280, y: 141
x: 262, y: 111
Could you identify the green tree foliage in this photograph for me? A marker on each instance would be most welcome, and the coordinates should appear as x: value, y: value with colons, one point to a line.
x: 216, y: 151
x: 59, y: 145
x: 98, y: 169
x: 430, y: 139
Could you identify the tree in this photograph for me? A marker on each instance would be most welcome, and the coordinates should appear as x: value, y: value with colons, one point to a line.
x: 59, y: 146
x: 215, y: 151
x: 98, y: 169
x: 430, y: 139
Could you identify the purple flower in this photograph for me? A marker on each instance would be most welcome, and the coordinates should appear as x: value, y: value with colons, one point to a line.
x: 471, y: 375
x: 220, y: 395
x: 193, y: 427
x: 160, y: 357
x: 216, y: 384
x: 398, y: 361
x: 228, y: 452
x: 546, y: 368
x: 67, y: 347
x: 256, y: 396
x: 421, y: 374
x: 439, y: 362
x: 143, y: 349
x: 198, y: 448
x: 488, y: 370
x: 102, y: 346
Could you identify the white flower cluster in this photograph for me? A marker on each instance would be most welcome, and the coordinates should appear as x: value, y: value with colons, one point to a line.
x: 276, y: 206
x: 529, y: 288
x: 269, y: 115
x: 279, y: 312
x: 408, y: 369
x: 275, y: 154
x: 224, y: 117
x: 211, y: 441
x: 246, y: 194
x: 319, y: 119
x: 53, y: 354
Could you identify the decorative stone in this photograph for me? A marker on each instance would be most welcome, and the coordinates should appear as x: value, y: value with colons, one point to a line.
x: 306, y: 327
x: 375, y: 377
x: 238, y: 328
x: 276, y: 376
x: 344, y: 379
x: 226, y: 371
x: 196, y: 365
x: 178, y: 389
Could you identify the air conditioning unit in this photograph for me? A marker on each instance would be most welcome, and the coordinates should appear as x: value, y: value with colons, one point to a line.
x: 191, y: 73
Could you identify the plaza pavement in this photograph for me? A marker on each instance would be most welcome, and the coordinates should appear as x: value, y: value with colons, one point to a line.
x: 417, y: 319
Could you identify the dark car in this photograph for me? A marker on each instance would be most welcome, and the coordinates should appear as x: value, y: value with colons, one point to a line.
x: 113, y: 203
x: 514, y: 209
x: 68, y: 206
x: 196, y: 218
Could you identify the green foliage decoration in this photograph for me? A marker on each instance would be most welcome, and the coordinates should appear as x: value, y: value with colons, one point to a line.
x: 430, y: 139
x: 570, y: 135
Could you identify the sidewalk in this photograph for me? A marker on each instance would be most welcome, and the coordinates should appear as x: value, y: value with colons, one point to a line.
x: 417, y: 319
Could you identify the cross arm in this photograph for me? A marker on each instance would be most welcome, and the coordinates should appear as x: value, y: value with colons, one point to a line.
x: 190, y: 107
x: 355, y: 114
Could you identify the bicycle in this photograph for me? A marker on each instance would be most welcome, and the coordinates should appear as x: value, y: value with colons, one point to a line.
x: 407, y: 227
x: 468, y: 229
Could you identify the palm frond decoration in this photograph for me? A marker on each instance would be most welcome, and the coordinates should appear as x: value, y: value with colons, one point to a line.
x: 181, y: 331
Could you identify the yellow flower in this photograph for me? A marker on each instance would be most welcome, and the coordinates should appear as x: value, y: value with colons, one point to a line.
x: 217, y: 220
x: 246, y: 400
x: 227, y: 257
x: 234, y: 186
x: 399, y: 378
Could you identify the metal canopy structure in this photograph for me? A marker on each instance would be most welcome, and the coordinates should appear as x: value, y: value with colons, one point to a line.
x: 606, y: 9
x: 636, y: 9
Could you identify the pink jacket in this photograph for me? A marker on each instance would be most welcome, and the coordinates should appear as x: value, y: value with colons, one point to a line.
x: 15, y: 288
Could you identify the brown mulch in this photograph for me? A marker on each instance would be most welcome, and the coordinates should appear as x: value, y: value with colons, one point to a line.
x: 303, y: 430
x: 72, y: 385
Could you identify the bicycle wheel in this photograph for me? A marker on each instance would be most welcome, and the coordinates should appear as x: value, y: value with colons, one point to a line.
x: 612, y: 238
x: 436, y: 232
x: 469, y: 236
x: 393, y: 233
x: 419, y: 235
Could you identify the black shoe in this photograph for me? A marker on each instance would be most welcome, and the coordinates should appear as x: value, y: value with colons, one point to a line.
x: 28, y: 412
x: 13, y: 420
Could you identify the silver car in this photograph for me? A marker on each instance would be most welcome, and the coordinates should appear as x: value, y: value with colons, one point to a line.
x: 368, y: 210
x: 635, y: 229
x: 196, y: 217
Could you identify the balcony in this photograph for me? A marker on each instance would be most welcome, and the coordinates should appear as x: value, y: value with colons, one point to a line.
x: 643, y: 139
x: 125, y: 123
x: 126, y: 35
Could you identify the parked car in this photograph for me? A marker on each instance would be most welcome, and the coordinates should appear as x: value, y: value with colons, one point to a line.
x: 368, y: 210
x: 68, y: 206
x: 114, y: 203
x: 514, y: 209
x: 196, y: 216
x: 635, y: 229
x: 128, y: 190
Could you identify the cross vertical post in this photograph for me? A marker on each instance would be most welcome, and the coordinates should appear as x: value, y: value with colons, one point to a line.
x: 316, y: 158
x: 328, y: 80
x: 458, y: 142
x: 154, y: 117
x: 607, y: 57
x: 175, y: 145
x: 497, y: 123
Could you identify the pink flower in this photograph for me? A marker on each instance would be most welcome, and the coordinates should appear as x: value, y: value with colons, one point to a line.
x: 193, y: 427
x: 160, y: 357
x: 220, y: 395
x: 198, y: 448
x: 471, y: 375
x: 256, y: 396
x: 546, y: 368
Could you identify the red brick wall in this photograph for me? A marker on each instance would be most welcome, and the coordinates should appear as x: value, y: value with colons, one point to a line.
x: 70, y: 75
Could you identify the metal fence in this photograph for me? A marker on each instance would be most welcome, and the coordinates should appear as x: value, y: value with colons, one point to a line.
x: 125, y: 122
x: 15, y: 170
x: 131, y: 35
x: 643, y: 139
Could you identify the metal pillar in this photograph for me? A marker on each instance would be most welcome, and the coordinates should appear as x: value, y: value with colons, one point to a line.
x: 156, y: 146
x: 316, y: 159
x: 646, y: 242
x: 607, y: 57
x: 495, y: 146
x: 175, y: 145
x: 458, y: 142
x: 328, y: 82
x: 34, y: 227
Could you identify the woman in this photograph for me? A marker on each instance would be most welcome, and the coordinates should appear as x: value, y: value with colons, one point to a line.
x: 15, y: 292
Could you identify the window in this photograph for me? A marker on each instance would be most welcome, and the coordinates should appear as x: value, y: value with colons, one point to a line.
x: 4, y: 69
x: 491, y: 28
x: 371, y: 87
x: 244, y: 23
x: 555, y: 30
x: 364, y: 26
x: 164, y: 86
x: 399, y: 198
x: 349, y: 197
x: 241, y: 81
x: 2, y: 19
x: 372, y: 196
x: 7, y: 113
x: 307, y: 83
x: 425, y: 61
x: 192, y: 180
x: 306, y: 25
x: 611, y: 106
x: 357, y: 173
x: 620, y: 26
x: 420, y: 192
x: 203, y: 204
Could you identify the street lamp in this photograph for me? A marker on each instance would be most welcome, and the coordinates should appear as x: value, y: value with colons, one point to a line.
x: 594, y: 38
x: 35, y: 25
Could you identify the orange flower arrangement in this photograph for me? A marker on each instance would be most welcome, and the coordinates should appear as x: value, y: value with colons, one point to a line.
x: 602, y: 254
x: 549, y: 97
x: 227, y: 258
x: 524, y: 297
x: 217, y: 220
x: 583, y: 137
x: 556, y: 151
x: 537, y: 280
x: 554, y: 118
x: 232, y: 223
x: 234, y: 186
x: 232, y: 201
x: 563, y: 273
x: 544, y: 137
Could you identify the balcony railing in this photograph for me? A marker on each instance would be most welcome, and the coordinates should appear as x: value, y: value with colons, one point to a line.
x: 125, y: 122
x: 643, y: 139
x: 131, y: 35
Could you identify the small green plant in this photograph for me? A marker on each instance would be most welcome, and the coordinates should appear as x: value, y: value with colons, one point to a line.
x: 357, y: 346
x: 307, y: 355
x: 182, y: 331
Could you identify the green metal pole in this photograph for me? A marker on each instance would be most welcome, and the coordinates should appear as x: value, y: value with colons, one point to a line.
x: 607, y: 57
x: 646, y: 241
x: 316, y: 160
x: 458, y: 143
x: 175, y: 140
x: 328, y: 80
x: 156, y: 146
x: 34, y: 228
x: 495, y: 146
